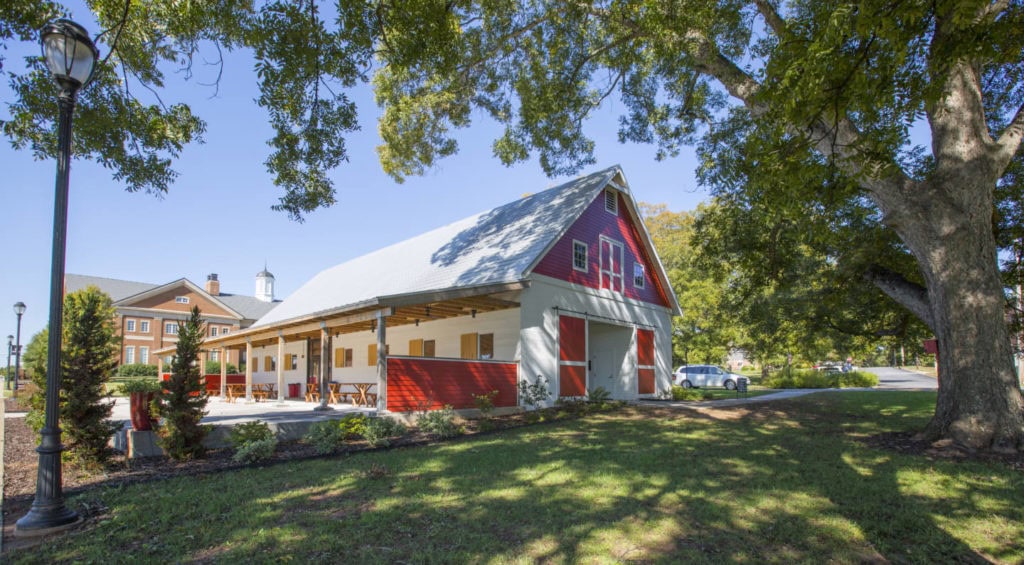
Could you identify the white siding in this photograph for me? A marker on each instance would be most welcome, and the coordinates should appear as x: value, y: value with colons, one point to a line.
x: 504, y: 324
x: 539, y: 333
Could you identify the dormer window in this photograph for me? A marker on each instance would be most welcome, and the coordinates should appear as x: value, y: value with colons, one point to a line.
x: 611, y: 202
x: 181, y: 299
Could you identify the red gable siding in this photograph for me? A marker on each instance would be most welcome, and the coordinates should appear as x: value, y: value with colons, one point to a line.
x: 588, y: 228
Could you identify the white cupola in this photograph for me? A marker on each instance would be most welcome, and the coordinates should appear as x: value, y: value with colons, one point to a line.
x: 265, y: 285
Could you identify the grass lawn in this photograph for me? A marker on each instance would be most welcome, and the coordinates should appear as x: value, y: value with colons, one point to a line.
x: 784, y: 482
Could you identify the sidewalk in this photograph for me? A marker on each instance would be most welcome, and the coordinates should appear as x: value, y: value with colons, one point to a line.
x: 790, y: 393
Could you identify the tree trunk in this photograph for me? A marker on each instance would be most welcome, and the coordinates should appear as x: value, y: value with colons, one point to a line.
x: 979, y: 404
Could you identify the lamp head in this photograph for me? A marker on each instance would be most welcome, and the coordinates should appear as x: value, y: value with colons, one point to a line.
x: 10, y: 340
x: 69, y: 52
x: 19, y: 308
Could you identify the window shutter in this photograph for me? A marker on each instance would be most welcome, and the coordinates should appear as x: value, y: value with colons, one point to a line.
x: 371, y: 354
x: 267, y: 363
x: 339, y: 358
x: 469, y: 346
x: 415, y: 348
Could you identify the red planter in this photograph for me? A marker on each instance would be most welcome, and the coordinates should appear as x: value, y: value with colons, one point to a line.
x: 139, y: 406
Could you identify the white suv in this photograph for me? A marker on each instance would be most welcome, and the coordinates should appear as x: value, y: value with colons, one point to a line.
x: 704, y: 375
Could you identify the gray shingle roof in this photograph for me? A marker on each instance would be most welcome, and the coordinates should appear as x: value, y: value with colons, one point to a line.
x: 494, y: 247
x: 248, y: 306
x: 116, y: 289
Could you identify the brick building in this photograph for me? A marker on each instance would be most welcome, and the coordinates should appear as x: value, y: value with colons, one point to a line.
x: 148, y: 315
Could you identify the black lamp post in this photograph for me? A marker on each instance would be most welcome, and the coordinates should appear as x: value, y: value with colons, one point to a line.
x: 19, y: 309
x: 10, y: 349
x: 71, y: 57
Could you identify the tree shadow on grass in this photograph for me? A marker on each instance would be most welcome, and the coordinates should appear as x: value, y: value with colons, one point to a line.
x: 788, y: 482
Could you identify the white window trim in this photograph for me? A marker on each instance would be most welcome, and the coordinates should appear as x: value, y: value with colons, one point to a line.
x: 586, y: 256
x: 606, y: 270
x: 614, y: 210
x: 143, y: 355
x: 129, y: 355
x: 144, y: 326
x: 181, y: 299
x: 171, y: 328
x: 213, y: 331
x: 643, y: 275
x: 129, y: 325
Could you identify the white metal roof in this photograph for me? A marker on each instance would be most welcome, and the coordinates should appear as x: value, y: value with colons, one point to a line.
x: 495, y: 247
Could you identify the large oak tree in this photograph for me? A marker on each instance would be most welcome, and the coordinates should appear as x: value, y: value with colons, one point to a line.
x: 845, y: 81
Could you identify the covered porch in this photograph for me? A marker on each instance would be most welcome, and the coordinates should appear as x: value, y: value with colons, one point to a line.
x: 319, y: 359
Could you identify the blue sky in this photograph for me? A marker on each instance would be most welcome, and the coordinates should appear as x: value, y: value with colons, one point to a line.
x: 217, y: 217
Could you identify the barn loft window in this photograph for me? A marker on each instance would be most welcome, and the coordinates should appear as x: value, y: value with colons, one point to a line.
x: 611, y: 202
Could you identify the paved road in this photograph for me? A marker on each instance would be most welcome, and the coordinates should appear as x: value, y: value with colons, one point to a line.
x: 890, y: 378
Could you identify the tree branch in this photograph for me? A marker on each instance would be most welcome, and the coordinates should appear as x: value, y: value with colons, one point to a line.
x: 1010, y: 140
x: 772, y: 18
x: 910, y: 295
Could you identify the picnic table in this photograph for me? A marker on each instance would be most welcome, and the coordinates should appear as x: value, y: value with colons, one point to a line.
x: 262, y: 391
x: 363, y: 396
x: 234, y: 391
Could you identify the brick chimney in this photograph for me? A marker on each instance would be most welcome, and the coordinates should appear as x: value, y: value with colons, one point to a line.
x: 212, y: 285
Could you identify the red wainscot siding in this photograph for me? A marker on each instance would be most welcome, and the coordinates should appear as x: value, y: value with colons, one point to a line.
x: 594, y: 223
x: 428, y: 384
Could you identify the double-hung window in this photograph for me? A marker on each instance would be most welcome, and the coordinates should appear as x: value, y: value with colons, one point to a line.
x: 129, y: 325
x: 638, y: 275
x: 611, y: 264
x: 579, y: 256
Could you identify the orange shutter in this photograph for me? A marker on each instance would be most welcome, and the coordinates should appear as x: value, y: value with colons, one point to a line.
x: 469, y: 346
x: 371, y: 354
x: 415, y: 348
x: 268, y: 363
x: 339, y: 357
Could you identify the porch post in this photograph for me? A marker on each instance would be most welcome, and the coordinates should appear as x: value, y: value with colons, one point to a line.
x: 159, y: 368
x: 382, y: 362
x: 223, y: 371
x: 280, y: 367
x: 248, y: 370
x: 324, y: 359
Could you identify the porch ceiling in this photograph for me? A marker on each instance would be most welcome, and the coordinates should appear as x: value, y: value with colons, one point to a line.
x: 404, y: 311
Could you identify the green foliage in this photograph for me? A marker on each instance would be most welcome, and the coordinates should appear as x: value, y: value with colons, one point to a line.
x: 326, y: 436
x: 857, y: 379
x: 141, y: 385
x: 440, y: 423
x: 182, y: 404
x: 599, y: 395
x: 536, y: 393
x: 680, y: 393
x: 380, y: 430
x: 213, y: 368
x: 485, y: 402
x: 34, y: 362
x: 137, y: 370
x: 353, y: 426
x: 89, y: 356
x: 248, y: 432
x: 256, y: 450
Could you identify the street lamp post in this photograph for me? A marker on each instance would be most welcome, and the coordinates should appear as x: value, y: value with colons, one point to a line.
x: 19, y: 309
x: 71, y: 57
x: 10, y: 349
